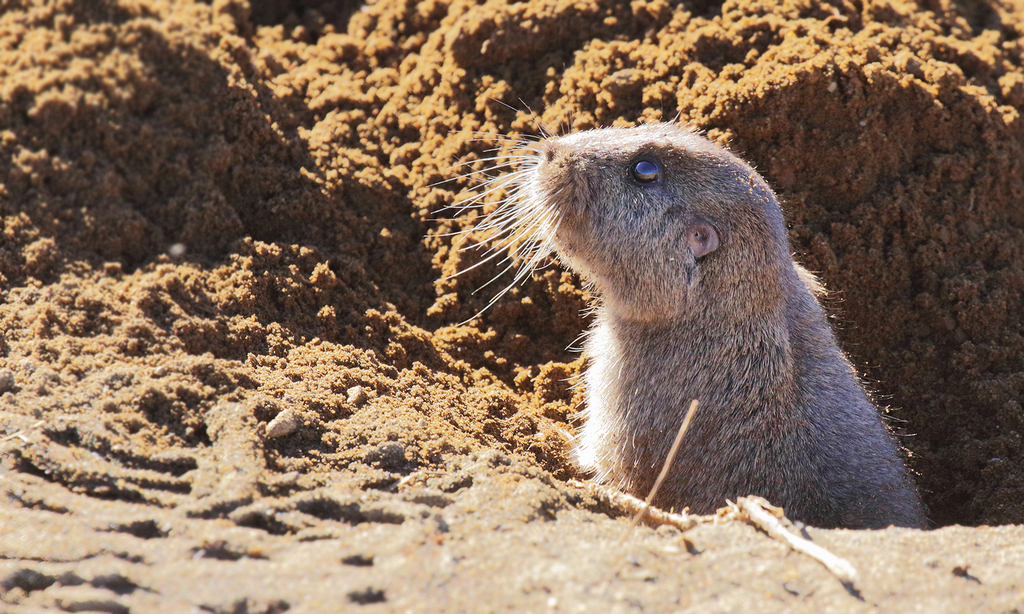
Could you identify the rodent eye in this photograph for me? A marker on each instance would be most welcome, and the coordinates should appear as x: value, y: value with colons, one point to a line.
x: 646, y: 171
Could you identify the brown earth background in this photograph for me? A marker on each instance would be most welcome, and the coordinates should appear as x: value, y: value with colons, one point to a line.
x: 216, y: 215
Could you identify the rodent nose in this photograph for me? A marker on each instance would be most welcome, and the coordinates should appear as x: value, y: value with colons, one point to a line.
x: 549, y: 151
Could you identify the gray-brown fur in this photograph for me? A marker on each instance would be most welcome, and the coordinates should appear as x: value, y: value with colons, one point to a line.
x: 782, y: 412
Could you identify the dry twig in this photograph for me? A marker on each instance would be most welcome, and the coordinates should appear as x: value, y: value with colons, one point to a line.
x: 632, y: 505
x: 665, y: 466
x: 765, y: 516
x: 20, y: 434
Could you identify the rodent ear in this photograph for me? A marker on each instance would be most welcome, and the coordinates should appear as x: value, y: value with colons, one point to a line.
x: 702, y: 239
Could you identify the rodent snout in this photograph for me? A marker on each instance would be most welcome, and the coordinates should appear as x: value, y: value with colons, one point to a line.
x: 557, y: 166
x: 548, y: 149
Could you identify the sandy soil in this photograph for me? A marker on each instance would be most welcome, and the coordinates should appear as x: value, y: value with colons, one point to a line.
x: 233, y: 379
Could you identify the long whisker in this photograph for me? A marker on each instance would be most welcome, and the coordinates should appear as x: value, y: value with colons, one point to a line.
x: 516, y: 228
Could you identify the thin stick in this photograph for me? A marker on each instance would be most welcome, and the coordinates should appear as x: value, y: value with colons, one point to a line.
x: 664, y: 468
x: 759, y: 516
x: 631, y: 505
x: 20, y: 433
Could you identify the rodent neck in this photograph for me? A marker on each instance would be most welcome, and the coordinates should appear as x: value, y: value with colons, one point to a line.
x: 732, y: 360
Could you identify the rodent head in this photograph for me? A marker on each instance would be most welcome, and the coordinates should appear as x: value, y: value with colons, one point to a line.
x: 657, y: 216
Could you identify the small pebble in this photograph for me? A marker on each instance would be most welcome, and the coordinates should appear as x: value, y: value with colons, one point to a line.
x: 388, y: 455
x: 283, y: 424
x: 357, y: 396
x: 286, y: 480
x: 6, y: 380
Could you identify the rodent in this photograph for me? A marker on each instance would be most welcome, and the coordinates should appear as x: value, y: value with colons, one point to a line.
x: 699, y: 298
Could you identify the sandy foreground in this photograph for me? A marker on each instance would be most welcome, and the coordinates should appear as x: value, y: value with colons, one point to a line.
x: 233, y: 376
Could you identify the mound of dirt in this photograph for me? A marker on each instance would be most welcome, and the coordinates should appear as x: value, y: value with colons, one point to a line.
x: 226, y: 325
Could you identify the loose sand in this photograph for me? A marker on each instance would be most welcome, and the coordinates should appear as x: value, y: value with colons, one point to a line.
x: 218, y: 218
